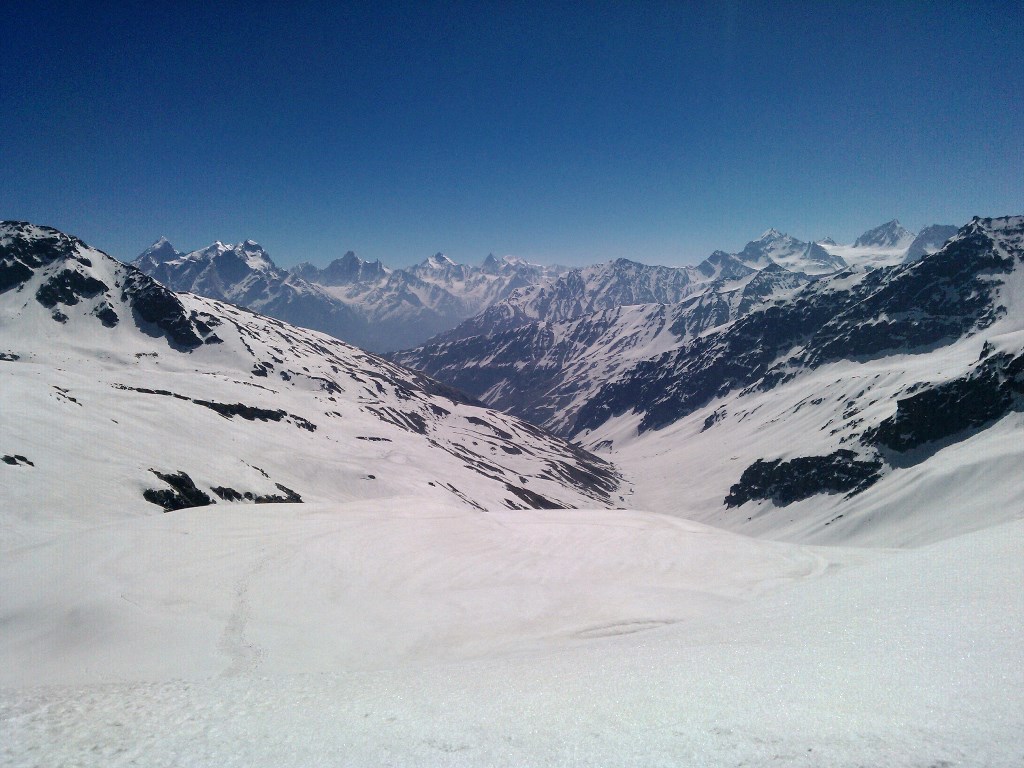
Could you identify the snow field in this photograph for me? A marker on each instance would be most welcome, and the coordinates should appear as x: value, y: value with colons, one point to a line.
x: 377, y: 634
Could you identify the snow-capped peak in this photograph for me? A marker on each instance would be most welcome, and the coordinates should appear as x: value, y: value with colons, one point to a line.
x: 892, y: 234
x: 439, y: 261
x: 254, y: 255
x: 160, y: 251
x: 792, y: 254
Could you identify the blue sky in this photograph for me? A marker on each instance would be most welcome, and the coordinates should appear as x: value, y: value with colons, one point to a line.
x: 560, y: 132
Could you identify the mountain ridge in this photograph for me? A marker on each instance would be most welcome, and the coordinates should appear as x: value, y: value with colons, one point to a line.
x: 385, y: 309
x: 164, y: 400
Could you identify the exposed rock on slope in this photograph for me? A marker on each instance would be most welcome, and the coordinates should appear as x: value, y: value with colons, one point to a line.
x: 188, y: 398
x: 546, y: 371
x: 820, y: 413
x: 852, y: 315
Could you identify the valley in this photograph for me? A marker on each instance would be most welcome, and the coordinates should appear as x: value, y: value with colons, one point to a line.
x: 789, y: 495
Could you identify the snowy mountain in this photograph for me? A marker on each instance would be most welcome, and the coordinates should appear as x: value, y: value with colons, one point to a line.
x: 405, y: 613
x: 929, y: 240
x: 545, y: 371
x: 890, y: 244
x: 774, y: 247
x: 622, y: 283
x: 121, y: 395
x: 892, y: 234
x: 344, y: 271
x: 364, y: 303
x: 811, y: 415
x: 620, y: 380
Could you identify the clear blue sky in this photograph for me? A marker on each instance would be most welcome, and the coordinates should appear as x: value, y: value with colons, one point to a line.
x: 568, y: 132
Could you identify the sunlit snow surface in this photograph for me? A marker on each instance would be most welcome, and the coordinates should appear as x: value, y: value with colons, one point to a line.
x: 377, y: 633
x: 390, y: 622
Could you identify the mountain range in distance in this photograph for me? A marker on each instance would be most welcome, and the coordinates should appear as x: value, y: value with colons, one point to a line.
x: 383, y: 309
x: 615, y: 356
x: 225, y: 535
x: 148, y: 398
x: 807, y: 403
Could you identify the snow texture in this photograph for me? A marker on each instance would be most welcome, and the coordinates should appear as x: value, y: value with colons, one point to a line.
x: 410, y: 612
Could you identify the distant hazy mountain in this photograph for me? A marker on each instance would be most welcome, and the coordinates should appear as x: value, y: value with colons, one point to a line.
x: 624, y: 283
x: 383, y: 309
x: 788, y: 252
x: 362, y: 302
x: 545, y: 370
x: 892, y: 234
x: 929, y: 240
x: 890, y: 244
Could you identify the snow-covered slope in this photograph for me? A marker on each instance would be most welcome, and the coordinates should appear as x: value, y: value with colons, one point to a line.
x: 774, y: 247
x: 370, y: 634
x: 546, y: 371
x: 364, y: 303
x: 121, y: 395
x: 889, y: 244
x: 892, y: 234
x: 929, y: 240
x: 848, y: 412
x: 390, y: 620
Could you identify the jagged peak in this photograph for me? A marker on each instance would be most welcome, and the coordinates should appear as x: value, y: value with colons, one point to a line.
x: 719, y: 256
x: 891, y: 234
x: 439, y: 260
x: 161, y: 250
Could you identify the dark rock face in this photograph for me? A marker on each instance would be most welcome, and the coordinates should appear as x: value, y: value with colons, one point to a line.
x: 182, y: 494
x: 784, y: 482
x: 25, y: 249
x: 229, y: 410
x: 68, y: 287
x: 677, y: 383
x: 230, y: 494
x: 13, y: 273
x: 155, y: 306
x: 939, y: 412
x: 24, y: 252
x: 106, y: 314
x: 289, y: 496
x: 530, y: 499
